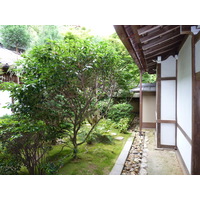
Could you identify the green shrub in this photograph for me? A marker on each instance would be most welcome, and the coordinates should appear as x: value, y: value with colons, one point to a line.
x: 123, y: 125
x: 103, y: 138
x: 50, y: 168
x: 26, y: 140
x: 99, y: 136
x: 103, y: 106
x: 6, y: 117
x: 119, y: 111
x: 9, y: 165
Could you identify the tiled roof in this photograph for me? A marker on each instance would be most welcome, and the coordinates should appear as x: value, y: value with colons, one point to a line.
x: 146, y: 87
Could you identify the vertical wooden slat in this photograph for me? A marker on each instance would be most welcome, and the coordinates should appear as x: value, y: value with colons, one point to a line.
x: 158, y: 100
x: 141, y: 103
x: 195, y: 117
x: 176, y: 103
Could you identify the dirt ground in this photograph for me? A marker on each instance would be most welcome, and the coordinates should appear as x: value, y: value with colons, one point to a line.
x: 160, y: 162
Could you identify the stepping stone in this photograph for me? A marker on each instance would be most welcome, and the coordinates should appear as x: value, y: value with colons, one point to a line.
x: 113, y: 134
x: 119, y: 138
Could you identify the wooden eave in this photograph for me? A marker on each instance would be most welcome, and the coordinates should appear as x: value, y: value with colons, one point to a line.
x: 146, y: 42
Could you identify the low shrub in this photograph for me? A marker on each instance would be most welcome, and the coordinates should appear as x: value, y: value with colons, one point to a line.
x: 119, y: 111
x: 122, y: 125
x: 99, y: 136
x: 9, y: 165
x: 103, y: 138
x: 50, y: 168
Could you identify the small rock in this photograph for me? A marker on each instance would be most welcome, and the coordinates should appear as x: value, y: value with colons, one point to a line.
x: 132, y: 169
x: 119, y: 138
x: 143, y: 171
x: 136, y: 160
x: 113, y: 134
x: 144, y: 165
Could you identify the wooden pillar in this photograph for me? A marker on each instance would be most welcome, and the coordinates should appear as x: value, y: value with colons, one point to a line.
x: 158, y: 103
x: 141, y: 103
x: 195, y: 115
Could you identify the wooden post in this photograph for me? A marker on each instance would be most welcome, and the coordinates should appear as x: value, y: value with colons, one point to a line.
x: 141, y: 104
x: 195, y: 116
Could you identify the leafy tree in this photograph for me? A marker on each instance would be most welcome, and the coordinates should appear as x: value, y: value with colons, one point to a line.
x: 148, y: 78
x: 16, y: 36
x: 48, y: 32
x: 129, y: 75
x: 63, y: 83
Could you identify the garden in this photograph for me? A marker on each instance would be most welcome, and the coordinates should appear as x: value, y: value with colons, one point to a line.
x: 64, y: 118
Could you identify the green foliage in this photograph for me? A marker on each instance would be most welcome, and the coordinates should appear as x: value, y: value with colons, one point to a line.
x: 9, y: 165
x: 103, y: 138
x: 119, y: 111
x: 103, y: 106
x: 50, y: 168
x: 123, y: 125
x: 15, y: 36
x: 48, y: 32
x: 100, y: 137
x: 63, y: 82
x: 25, y: 140
x: 128, y: 76
x: 148, y: 78
x: 6, y: 117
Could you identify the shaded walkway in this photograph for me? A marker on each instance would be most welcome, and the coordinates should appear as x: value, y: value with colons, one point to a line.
x: 141, y: 157
x: 160, y: 161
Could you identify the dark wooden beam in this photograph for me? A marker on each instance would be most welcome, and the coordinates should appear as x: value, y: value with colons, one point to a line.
x: 146, y: 29
x: 174, y: 43
x: 170, y: 51
x: 185, y: 29
x: 158, y: 33
x: 121, y: 32
x: 138, y: 45
x: 161, y: 40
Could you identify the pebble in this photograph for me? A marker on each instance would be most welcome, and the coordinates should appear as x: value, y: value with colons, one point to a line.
x: 136, y: 163
x: 143, y: 171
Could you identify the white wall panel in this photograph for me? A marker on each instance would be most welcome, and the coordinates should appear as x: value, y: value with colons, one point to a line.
x: 184, y: 88
x: 149, y: 107
x: 168, y: 99
x: 167, y: 134
x: 185, y: 149
x: 168, y: 68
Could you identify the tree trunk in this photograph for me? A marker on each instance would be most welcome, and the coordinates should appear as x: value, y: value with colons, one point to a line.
x: 31, y: 170
x: 17, y: 50
x: 75, y: 151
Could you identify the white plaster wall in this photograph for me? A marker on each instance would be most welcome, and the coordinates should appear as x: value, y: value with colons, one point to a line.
x: 168, y: 67
x: 185, y: 149
x: 4, y: 99
x: 184, y: 88
x: 149, y: 107
x: 167, y: 134
x: 168, y: 99
x: 197, y: 56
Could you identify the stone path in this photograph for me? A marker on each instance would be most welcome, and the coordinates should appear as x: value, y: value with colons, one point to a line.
x: 145, y: 159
